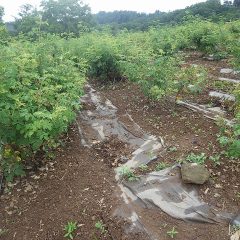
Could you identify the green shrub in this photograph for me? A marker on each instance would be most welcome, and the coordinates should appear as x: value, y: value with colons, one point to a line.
x: 230, y: 136
x: 39, y: 94
x: 4, y: 36
x: 103, y: 64
x: 41, y: 81
x: 196, y: 158
x: 230, y: 139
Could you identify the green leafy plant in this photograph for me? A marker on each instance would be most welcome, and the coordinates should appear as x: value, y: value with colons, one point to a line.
x: 42, y: 78
x: 238, y: 195
x: 4, y: 35
x: 172, y: 149
x: 128, y: 174
x: 191, y: 79
x: 100, y: 226
x: 103, y: 63
x: 143, y: 167
x: 3, y: 232
x: 151, y: 154
x: 160, y: 166
x: 70, y: 228
x: 39, y: 95
x: 11, y: 164
x: 216, y: 159
x: 229, y: 138
x: 235, y: 228
x: 199, y: 159
x: 172, y: 233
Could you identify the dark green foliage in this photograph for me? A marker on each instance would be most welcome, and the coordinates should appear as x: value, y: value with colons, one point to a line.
x: 211, y: 9
x: 1, y: 13
x: 124, y: 19
x: 230, y: 135
x: 11, y: 164
x: 40, y: 88
x: 61, y: 16
x: 230, y: 139
x: 66, y: 16
x: 41, y: 81
x: 28, y: 19
x: 4, y: 35
x: 236, y: 3
x: 103, y: 65
x: 73, y: 16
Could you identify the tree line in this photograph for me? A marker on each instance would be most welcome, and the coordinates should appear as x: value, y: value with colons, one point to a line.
x: 211, y: 9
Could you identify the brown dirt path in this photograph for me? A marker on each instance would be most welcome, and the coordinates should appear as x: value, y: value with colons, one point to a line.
x: 77, y: 188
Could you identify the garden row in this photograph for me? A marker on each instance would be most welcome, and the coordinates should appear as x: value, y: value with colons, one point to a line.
x: 41, y: 81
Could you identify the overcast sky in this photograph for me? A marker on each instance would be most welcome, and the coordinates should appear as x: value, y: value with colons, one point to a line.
x: 12, y: 6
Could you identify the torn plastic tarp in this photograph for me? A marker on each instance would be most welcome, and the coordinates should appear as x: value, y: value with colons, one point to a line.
x: 163, y: 190
x: 166, y: 191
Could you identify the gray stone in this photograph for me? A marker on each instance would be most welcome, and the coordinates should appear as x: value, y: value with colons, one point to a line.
x: 194, y: 173
x: 229, y: 70
x: 217, y: 110
x: 208, y: 112
x: 236, y: 220
x: 229, y: 80
x: 209, y: 58
x: 222, y: 96
x: 226, y: 70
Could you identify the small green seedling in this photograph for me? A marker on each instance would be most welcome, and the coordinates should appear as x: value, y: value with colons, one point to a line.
x: 194, y: 89
x: 172, y: 149
x: 161, y: 166
x: 172, y: 233
x: 3, y: 231
x: 199, y: 159
x: 215, y: 159
x: 174, y: 114
x: 151, y: 155
x: 180, y: 161
x: 128, y: 174
x: 143, y: 167
x: 100, y: 226
x: 238, y: 195
x: 70, y: 229
x: 235, y: 228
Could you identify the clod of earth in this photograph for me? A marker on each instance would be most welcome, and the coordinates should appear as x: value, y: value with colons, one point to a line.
x: 194, y: 173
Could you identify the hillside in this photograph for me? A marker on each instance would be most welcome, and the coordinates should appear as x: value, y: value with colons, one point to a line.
x: 211, y: 9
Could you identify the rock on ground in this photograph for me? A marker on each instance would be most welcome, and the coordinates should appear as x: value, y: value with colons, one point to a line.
x: 194, y: 173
